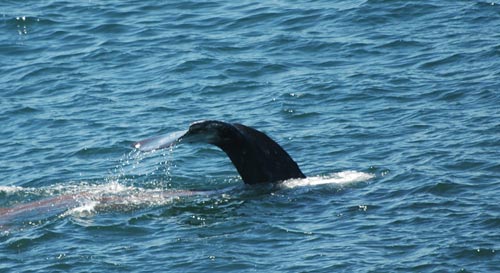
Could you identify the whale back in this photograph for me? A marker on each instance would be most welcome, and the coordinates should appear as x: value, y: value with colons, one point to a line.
x: 257, y: 158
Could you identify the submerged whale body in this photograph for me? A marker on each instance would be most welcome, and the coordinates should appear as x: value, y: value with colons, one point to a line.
x: 257, y: 158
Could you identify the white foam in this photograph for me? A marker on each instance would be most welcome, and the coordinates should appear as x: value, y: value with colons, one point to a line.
x: 340, y: 178
x: 10, y: 189
x: 85, y: 208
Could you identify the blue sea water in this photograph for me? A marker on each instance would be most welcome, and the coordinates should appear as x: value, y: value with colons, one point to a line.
x: 390, y: 107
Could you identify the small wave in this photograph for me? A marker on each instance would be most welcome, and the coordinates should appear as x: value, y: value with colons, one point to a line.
x: 84, y: 209
x: 340, y: 178
x: 10, y: 189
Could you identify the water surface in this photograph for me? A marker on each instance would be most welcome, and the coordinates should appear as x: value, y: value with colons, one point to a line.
x: 390, y: 107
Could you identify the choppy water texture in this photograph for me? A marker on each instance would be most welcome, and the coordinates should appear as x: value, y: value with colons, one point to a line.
x: 390, y: 107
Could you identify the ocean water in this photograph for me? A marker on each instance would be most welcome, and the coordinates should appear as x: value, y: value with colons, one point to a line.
x: 391, y: 108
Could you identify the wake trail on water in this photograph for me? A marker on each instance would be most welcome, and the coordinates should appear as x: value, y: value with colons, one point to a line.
x: 79, y: 200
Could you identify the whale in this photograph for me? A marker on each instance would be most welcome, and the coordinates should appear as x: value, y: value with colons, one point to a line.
x: 257, y: 158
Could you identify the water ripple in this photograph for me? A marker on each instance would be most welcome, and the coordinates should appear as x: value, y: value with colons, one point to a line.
x: 404, y: 91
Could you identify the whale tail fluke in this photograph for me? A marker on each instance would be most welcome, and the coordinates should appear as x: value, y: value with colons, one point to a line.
x: 257, y: 158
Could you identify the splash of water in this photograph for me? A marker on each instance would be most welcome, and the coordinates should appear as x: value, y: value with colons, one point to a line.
x: 85, y: 199
x: 340, y: 178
